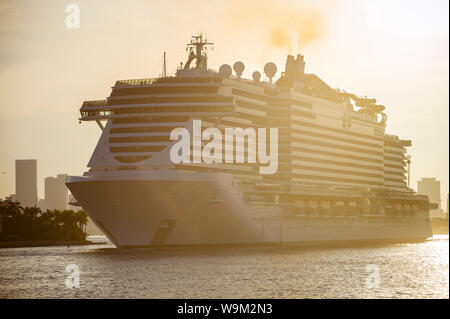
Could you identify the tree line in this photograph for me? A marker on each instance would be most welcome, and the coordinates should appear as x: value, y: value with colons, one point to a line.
x: 31, y: 223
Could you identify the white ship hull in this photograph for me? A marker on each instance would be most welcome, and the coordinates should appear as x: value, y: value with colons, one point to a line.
x: 173, y: 208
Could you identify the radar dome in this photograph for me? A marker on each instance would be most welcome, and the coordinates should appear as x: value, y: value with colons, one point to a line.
x: 270, y: 69
x: 225, y: 70
x: 239, y: 68
x: 256, y: 76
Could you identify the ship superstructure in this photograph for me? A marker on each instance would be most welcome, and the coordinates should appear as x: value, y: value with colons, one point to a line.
x: 340, y: 177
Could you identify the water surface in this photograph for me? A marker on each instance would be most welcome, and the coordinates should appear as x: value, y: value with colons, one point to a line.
x: 419, y: 270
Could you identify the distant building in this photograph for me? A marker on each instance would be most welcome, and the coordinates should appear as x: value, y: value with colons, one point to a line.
x: 56, y: 192
x: 41, y: 204
x: 448, y: 212
x: 432, y: 188
x: 1, y: 220
x: 26, y: 182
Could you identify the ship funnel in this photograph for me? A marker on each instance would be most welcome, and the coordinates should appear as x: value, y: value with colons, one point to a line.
x: 294, y: 71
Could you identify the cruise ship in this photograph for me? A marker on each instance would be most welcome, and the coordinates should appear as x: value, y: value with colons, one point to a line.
x: 340, y: 177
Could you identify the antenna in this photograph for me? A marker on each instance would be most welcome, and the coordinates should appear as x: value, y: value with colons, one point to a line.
x: 197, y: 51
x: 164, y: 74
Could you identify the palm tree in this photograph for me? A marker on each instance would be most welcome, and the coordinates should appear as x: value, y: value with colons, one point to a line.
x: 30, y: 214
x: 82, y: 220
x: 10, y: 209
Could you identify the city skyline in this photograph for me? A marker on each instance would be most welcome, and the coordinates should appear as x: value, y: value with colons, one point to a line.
x: 50, y: 180
x: 56, y: 193
x: 26, y: 182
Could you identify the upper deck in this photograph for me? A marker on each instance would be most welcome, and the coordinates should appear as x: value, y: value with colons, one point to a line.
x: 326, y: 137
x: 141, y: 96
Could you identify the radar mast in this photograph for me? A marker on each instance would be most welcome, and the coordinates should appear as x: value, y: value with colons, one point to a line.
x: 198, y: 51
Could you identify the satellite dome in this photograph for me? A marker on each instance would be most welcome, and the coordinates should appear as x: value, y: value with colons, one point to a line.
x: 225, y: 70
x: 270, y: 69
x: 239, y: 68
x: 256, y: 76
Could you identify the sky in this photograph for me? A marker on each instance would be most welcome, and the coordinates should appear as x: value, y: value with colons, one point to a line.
x: 394, y: 51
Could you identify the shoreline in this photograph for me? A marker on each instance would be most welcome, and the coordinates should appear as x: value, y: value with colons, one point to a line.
x: 47, y: 243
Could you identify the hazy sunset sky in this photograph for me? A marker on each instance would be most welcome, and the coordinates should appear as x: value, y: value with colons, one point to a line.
x: 395, y: 51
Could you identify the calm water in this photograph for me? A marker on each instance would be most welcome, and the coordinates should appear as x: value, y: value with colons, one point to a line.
x: 405, y: 271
